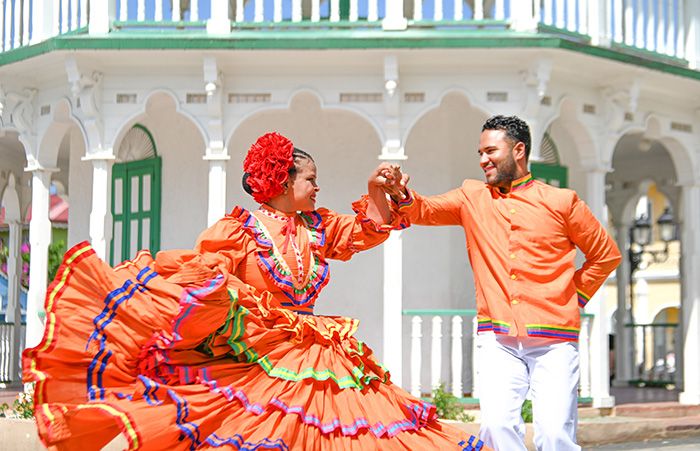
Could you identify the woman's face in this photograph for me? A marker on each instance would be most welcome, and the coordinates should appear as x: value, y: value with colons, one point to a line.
x: 303, y: 185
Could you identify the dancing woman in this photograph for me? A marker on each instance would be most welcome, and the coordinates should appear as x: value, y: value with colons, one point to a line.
x: 219, y: 347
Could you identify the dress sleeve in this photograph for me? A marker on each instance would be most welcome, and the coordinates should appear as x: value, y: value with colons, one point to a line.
x: 602, y: 254
x: 346, y: 235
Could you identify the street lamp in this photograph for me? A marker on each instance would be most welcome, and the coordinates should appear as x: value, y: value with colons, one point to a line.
x: 641, y: 236
x: 640, y: 257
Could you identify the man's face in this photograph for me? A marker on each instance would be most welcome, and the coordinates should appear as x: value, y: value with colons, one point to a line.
x: 497, y: 158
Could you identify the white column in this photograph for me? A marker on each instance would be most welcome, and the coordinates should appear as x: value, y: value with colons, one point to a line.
x: 217, y: 187
x: 11, y: 203
x: 394, y: 18
x: 101, y: 213
x: 14, y: 307
x: 39, y: 239
x: 598, y: 346
x: 623, y: 335
x: 690, y: 294
x: 102, y: 14
x: 392, y: 333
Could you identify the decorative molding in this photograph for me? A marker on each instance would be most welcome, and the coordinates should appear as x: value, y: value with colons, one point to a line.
x: 87, y: 94
x: 21, y: 108
x: 536, y: 78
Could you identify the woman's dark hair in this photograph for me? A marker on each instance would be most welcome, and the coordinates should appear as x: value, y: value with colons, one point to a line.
x: 516, y: 130
x: 297, y: 155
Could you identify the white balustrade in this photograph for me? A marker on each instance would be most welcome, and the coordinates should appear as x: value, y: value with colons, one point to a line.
x: 436, y: 352
x: 457, y: 356
x: 416, y: 354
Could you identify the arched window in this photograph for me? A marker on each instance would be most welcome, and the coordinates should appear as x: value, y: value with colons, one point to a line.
x: 548, y: 169
x: 136, y: 196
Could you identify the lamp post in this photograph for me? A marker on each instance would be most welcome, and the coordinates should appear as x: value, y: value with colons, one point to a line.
x: 640, y: 257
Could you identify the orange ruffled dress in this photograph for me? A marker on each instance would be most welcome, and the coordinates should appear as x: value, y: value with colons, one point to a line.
x: 219, y: 347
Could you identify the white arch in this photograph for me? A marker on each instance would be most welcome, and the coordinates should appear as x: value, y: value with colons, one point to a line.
x: 62, y: 119
x: 438, y: 103
x: 129, y: 122
x: 665, y: 306
x: 568, y: 114
x: 10, y: 200
x: 287, y: 107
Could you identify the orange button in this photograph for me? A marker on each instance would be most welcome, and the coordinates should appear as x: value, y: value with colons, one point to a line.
x: 514, y: 302
x: 512, y: 256
x: 513, y: 276
x: 512, y: 210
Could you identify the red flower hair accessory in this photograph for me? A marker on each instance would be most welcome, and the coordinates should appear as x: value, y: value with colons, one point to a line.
x: 267, y: 163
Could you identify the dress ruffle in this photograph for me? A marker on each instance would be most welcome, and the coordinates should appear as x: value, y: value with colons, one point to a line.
x: 175, y: 361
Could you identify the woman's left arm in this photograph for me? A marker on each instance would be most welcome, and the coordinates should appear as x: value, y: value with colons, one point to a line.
x: 382, y: 181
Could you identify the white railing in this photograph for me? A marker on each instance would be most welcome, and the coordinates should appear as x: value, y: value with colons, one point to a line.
x: 659, y: 26
x: 8, y: 356
x: 458, y: 328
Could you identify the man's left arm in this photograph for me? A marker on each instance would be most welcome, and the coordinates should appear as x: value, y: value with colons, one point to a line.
x: 602, y: 254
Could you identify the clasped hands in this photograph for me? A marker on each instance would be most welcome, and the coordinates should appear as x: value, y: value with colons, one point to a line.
x: 391, y: 180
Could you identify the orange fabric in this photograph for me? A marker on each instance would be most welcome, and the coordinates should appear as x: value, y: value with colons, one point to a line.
x: 522, y: 247
x: 205, y: 349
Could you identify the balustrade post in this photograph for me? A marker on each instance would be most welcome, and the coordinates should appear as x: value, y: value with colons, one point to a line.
x: 457, y: 357
x: 102, y: 14
x: 416, y: 336
x: 394, y: 18
x: 219, y: 22
x: 436, y: 353
x: 584, y: 358
x: 475, y: 370
x: 522, y: 16
x: 478, y: 10
x: 692, y: 43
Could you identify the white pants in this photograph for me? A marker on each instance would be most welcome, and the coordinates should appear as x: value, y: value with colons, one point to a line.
x: 509, y: 367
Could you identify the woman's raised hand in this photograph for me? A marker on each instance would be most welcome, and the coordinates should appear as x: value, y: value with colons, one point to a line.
x: 390, y: 179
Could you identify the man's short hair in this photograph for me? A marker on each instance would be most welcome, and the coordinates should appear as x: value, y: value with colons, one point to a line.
x: 516, y: 130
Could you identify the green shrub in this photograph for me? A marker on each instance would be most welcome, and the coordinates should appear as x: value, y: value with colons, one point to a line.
x: 526, y: 411
x: 448, y: 406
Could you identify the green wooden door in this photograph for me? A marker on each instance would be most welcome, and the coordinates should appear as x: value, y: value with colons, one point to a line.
x: 136, y: 200
x: 552, y: 174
